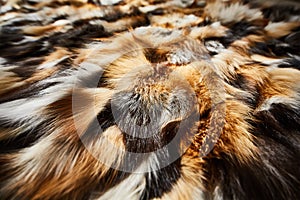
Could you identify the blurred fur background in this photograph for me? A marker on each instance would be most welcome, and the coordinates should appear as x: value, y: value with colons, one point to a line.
x: 133, y: 99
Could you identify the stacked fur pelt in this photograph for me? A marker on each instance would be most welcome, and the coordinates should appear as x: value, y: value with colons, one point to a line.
x: 149, y: 99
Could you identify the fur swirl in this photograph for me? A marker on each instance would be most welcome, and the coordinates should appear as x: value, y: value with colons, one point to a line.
x: 111, y: 99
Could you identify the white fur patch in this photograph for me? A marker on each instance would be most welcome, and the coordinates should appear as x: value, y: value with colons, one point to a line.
x: 109, y: 2
x: 26, y: 109
x: 130, y: 189
x: 267, y: 104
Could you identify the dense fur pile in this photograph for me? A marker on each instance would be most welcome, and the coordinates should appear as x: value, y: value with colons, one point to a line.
x: 149, y: 99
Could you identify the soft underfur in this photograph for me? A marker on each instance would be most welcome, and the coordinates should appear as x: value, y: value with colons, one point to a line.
x: 149, y: 99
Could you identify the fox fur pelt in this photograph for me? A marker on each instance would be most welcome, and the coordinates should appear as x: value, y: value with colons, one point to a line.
x: 135, y: 99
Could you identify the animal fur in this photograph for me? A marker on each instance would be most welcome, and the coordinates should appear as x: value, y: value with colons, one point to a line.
x: 149, y: 99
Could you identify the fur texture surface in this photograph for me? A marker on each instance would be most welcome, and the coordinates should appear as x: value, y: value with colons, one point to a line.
x: 134, y: 99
